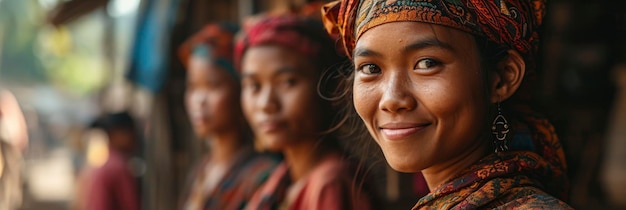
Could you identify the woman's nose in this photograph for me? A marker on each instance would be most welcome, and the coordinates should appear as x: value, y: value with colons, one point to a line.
x: 397, y: 94
x: 268, y: 102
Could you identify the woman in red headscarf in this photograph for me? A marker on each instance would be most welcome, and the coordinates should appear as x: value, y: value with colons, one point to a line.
x: 229, y: 174
x: 442, y: 87
x: 282, y: 59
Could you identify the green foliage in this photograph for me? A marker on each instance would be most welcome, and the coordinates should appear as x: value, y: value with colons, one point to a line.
x: 68, y: 57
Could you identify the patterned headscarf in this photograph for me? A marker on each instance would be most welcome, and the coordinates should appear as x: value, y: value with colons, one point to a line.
x: 299, y: 33
x: 511, y: 23
x: 215, y: 43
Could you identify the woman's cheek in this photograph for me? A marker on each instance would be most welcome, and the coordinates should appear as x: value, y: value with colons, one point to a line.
x: 365, y: 99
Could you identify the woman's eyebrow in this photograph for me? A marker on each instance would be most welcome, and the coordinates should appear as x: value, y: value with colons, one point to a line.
x: 417, y: 45
x: 247, y: 75
x: 364, y: 52
x: 427, y: 43
x: 284, y: 70
x: 280, y: 71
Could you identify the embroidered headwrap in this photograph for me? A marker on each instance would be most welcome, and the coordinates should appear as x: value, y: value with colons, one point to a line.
x: 214, y: 43
x: 511, y: 23
x: 299, y: 33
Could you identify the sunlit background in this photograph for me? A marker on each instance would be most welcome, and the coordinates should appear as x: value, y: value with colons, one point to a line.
x: 62, y: 76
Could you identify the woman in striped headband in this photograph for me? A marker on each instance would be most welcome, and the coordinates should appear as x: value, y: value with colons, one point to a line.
x: 282, y: 59
x: 442, y: 87
x: 231, y: 171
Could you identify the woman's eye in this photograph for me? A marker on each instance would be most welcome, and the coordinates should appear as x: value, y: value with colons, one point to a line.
x: 290, y: 81
x: 426, y: 63
x: 369, y: 69
x: 248, y: 85
x: 213, y: 84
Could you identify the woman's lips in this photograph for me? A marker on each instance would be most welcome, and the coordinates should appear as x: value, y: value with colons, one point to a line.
x: 399, y: 131
x: 271, y: 126
x: 200, y: 119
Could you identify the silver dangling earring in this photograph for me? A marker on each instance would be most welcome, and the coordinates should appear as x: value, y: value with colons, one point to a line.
x: 500, y: 129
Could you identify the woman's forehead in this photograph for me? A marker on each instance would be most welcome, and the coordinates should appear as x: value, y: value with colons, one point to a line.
x: 415, y: 33
x: 202, y: 66
x: 274, y: 59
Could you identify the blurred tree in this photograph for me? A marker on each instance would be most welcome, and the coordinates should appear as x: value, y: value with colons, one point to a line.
x: 68, y: 57
x: 18, y: 26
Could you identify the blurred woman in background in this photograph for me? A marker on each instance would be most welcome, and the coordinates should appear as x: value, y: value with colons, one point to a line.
x: 231, y: 171
x: 282, y: 59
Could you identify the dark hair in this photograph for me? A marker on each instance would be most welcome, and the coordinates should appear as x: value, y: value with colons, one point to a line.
x: 347, y: 124
x: 109, y: 122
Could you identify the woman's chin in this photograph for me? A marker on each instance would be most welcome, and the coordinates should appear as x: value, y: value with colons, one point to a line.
x: 404, y: 168
x: 273, y: 148
x: 201, y: 133
x: 203, y: 130
x: 272, y: 144
x: 403, y: 164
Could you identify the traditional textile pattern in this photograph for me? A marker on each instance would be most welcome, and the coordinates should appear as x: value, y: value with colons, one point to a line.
x: 506, y: 22
x: 215, y: 43
x: 238, y: 184
x: 525, y: 177
x: 298, y: 33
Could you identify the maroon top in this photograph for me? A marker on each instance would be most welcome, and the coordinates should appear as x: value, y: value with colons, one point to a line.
x: 112, y: 186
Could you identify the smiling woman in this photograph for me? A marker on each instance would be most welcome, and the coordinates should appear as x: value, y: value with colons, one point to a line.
x: 442, y: 88
x: 428, y: 111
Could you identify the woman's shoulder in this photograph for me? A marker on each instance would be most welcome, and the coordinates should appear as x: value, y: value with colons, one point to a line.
x: 253, y: 171
x: 332, y: 185
x: 532, y: 198
x: 332, y: 168
x: 333, y: 176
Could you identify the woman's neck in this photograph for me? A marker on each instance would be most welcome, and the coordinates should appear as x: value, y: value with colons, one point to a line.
x: 445, y: 171
x: 225, y: 146
x: 303, y: 157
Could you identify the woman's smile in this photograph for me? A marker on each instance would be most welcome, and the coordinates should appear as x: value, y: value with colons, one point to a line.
x: 396, y: 131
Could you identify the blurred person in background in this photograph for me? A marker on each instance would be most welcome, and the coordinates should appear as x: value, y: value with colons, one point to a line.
x: 112, y: 185
x: 231, y: 171
x: 282, y: 59
x: 13, y: 141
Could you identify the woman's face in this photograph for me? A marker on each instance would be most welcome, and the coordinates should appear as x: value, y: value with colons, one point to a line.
x: 279, y: 96
x: 211, y: 97
x: 419, y: 90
